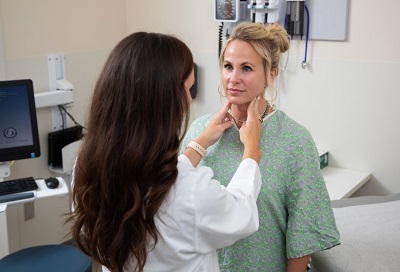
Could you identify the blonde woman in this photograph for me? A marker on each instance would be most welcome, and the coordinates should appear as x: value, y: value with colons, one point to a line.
x: 296, y: 217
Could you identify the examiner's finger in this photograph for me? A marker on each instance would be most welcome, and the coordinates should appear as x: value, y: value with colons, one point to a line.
x: 252, y: 110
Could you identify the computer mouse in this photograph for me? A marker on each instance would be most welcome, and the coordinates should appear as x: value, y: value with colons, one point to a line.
x: 51, y: 182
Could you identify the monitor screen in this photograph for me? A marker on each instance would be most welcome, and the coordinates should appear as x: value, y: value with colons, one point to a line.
x: 19, y: 137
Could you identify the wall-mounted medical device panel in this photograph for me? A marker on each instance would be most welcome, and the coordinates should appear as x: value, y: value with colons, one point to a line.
x: 226, y: 10
x: 321, y: 20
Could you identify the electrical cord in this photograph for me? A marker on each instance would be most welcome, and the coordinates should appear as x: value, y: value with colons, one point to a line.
x: 220, y: 30
x: 61, y: 109
x: 304, y: 63
x: 287, y: 57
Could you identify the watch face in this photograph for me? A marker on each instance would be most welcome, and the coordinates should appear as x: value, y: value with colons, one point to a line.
x: 226, y: 10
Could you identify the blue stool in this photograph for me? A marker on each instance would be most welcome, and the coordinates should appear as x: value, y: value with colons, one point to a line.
x: 47, y: 258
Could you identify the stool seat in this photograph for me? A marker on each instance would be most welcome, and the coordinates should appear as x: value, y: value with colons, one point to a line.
x: 47, y: 258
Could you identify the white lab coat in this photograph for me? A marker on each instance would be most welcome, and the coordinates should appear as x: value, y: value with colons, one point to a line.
x: 200, y: 215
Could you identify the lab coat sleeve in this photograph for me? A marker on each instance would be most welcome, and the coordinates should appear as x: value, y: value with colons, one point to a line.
x: 224, y: 215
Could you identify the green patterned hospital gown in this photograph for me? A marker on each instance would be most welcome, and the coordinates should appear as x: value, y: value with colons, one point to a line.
x: 296, y: 217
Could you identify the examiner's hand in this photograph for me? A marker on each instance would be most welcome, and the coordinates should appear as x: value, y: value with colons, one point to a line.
x: 250, y: 132
x: 216, y: 128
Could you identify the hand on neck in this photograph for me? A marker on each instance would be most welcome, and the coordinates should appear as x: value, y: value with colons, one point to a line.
x: 239, y: 112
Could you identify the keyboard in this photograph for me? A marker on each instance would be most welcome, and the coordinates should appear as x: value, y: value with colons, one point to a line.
x: 18, y: 186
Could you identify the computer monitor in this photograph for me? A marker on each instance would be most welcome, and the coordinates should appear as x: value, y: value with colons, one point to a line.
x: 19, y: 137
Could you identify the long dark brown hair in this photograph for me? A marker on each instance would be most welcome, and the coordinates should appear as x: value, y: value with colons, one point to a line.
x: 128, y: 159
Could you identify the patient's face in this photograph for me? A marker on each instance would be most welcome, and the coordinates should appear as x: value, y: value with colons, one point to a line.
x: 243, y: 77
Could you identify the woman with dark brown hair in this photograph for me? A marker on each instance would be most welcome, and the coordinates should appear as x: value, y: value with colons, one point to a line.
x: 138, y: 206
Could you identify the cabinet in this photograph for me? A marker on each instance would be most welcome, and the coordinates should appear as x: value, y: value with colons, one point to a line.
x: 342, y: 183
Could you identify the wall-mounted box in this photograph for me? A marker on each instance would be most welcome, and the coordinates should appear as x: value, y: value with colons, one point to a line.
x: 323, y: 158
x: 328, y: 19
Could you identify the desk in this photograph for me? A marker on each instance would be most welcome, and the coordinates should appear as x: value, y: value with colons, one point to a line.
x: 342, y: 183
x: 41, y: 192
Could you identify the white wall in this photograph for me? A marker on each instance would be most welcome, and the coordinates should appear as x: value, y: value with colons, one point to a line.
x: 347, y: 97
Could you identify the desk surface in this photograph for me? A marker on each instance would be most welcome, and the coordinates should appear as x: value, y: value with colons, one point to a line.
x: 41, y: 192
x: 342, y: 183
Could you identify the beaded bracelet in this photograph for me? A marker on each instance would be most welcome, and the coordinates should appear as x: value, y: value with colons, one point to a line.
x: 199, y: 149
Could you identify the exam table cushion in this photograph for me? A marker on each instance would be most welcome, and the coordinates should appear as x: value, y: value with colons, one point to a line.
x: 370, y: 236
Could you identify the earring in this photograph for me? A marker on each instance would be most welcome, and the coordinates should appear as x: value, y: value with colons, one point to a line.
x: 220, y: 92
x: 273, y: 93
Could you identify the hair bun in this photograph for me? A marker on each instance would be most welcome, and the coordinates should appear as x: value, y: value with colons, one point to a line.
x: 278, y: 35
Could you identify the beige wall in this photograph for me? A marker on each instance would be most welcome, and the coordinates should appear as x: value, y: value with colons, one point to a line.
x: 190, y: 20
x: 39, y: 27
x: 84, y: 31
x: 347, y: 97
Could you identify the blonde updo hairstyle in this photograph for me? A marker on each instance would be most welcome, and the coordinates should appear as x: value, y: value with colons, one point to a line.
x: 270, y: 41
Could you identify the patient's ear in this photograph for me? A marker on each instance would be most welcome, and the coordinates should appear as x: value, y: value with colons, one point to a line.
x: 274, y: 73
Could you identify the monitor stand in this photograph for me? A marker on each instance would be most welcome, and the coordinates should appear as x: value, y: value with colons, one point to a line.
x: 4, y: 248
x: 4, y: 170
